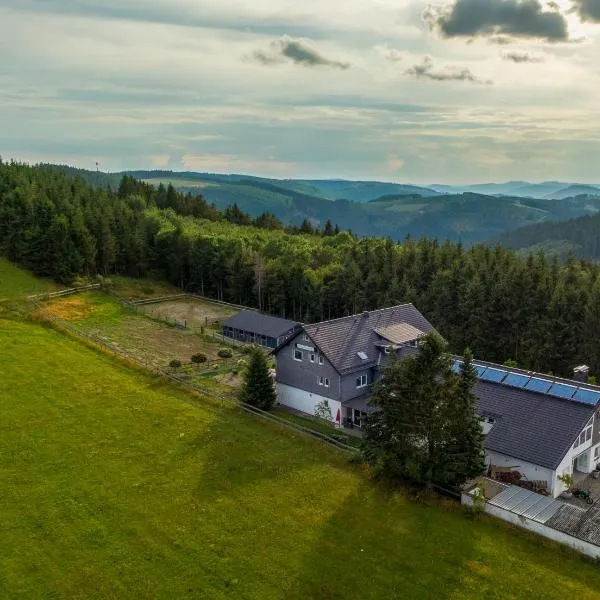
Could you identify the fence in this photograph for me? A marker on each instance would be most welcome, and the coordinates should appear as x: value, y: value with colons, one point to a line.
x: 62, y: 325
x: 188, y: 295
x: 66, y: 292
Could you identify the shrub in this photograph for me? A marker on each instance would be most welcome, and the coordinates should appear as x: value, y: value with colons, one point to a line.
x: 225, y: 353
x: 175, y: 364
x: 199, y: 358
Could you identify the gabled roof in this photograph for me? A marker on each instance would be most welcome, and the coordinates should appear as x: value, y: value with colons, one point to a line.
x: 342, y: 339
x: 256, y: 322
x: 531, y: 426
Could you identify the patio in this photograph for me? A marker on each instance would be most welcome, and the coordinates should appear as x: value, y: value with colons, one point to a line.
x: 584, y: 481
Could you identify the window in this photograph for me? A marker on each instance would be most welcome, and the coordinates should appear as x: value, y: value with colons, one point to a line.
x: 388, y: 350
x: 596, y: 452
x: 298, y: 355
x: 586, y: 434
x: 361, y: 381
x: 306, y: 338
x: 320, y: 380
x: 321, y: 360
x: 326, y: 382
x: 312, y: 358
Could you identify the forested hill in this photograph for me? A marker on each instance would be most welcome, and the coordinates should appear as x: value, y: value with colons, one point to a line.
x: 544, y: 315
x: 577, y: 237
x: 367, y: 208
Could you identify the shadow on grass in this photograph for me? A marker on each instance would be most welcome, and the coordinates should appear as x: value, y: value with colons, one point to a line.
x: 383, y: 544
x: 240, y: 450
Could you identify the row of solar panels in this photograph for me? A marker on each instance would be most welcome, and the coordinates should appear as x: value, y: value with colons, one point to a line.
x: 534, y: 384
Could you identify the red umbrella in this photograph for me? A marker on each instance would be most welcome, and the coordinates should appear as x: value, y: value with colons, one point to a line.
x: 338, y: 416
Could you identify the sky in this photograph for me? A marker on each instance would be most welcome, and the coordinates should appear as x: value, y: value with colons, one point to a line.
x: 396, y: 90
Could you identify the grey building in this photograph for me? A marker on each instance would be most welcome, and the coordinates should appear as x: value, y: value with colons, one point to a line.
x: 256, y: 328
x: 337, y: 361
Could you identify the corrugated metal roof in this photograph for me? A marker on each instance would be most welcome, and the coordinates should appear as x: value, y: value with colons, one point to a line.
x: 580, y: 523
x: 256, y: 322
x: 524, y: 502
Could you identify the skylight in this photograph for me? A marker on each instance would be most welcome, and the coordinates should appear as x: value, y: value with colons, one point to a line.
x: 362, y: 356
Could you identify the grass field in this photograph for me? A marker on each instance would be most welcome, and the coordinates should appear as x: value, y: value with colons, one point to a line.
x: 15, y: 282
x: 117, y: 485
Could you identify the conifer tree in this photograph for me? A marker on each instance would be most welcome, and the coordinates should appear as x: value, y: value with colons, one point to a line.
x: 258, y: 389
x: 464, y: 452
x: 425, y: 428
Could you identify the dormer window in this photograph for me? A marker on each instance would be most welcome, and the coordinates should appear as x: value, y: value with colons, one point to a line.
x: 361, y: 381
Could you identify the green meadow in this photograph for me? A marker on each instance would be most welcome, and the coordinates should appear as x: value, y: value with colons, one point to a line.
x: 115, y: 484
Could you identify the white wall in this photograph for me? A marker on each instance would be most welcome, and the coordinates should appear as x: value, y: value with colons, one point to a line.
x: 305, y: 401
x: 558, y: 536
x: 529, y: 470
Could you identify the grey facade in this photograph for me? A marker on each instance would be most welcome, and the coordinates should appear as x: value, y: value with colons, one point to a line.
x: 256, y: 328
x: 340, y: 359
x: 306, y: 374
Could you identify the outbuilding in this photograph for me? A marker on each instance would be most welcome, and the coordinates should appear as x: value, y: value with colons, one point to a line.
x: 253, y: 327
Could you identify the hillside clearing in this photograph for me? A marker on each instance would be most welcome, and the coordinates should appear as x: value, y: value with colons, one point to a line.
x: 15, y: 282
x: 117, y: 485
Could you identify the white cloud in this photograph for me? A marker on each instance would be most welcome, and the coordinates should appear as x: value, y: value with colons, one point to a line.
x: 165, y: 84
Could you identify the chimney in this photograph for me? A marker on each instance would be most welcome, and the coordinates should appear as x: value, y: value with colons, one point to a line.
x: 580, y: 373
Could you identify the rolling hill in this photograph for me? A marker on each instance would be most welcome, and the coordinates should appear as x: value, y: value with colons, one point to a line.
x: 468, y: 217
x: 579, y: 237
x: 371, y: 208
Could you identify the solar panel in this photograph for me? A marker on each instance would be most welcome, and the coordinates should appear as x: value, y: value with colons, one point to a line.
x: 495, y: 375
x: 480, y: 371
x: 516, y: 380
x: 562, y: 390
x: 587, y: 396
x: 536, y: 384
x: 456, y: 366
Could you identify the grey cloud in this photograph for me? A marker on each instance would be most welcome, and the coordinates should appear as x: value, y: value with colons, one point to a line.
x: 513, y: 18
x: 426, y: 70
x: 521, y: 57
x: 296, y: 51
x: 588, y: 10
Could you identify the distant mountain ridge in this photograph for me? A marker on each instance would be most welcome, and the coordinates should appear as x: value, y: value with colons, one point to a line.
x: 382, y: 209
x: 557, y: 190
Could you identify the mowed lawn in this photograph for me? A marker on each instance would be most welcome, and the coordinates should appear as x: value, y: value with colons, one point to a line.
x: 117, y: 485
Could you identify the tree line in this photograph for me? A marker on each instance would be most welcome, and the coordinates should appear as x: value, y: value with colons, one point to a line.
x: 543, y: 314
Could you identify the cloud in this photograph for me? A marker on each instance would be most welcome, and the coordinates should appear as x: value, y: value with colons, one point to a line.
x: 588, y: 10
x: 521, y: 57
x: 514, y: 18
x: 288, y: 49
x: 426, y: 70
x: 389, y: 53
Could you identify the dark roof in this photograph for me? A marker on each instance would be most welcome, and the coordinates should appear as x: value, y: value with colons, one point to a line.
x: 584, y: 525
x: 531, y: 426
x: 342, y: 339
x: 360, y: 403
x: 256, y: 322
